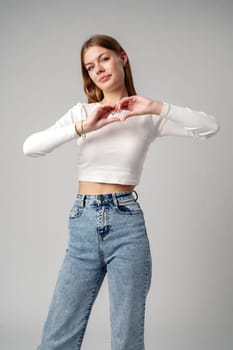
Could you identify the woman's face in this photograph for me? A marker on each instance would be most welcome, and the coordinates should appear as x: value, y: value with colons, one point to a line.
x: 105, y: 67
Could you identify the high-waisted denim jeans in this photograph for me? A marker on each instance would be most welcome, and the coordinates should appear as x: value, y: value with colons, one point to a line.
x: 107, y: 234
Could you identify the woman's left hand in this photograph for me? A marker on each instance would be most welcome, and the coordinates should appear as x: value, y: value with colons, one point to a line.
x: 138, y: 105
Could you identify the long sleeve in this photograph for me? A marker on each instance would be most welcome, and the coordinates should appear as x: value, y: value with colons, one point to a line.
x: 44, y: 142
x: 182, y: 121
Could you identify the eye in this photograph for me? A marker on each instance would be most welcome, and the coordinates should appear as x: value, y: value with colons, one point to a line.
x: 105, y: 58
x: 89, y: 68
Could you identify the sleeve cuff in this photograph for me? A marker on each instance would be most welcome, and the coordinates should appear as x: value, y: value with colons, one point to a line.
x: 165, y: 109
x: 71, y: 131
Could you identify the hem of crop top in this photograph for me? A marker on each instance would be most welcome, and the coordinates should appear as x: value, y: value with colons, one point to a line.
x: 109, y: 179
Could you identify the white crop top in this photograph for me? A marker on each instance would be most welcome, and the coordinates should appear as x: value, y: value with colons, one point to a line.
x: 116, y: 152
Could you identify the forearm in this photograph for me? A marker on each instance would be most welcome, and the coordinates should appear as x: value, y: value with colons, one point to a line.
x: 44, y: 142
x: 197, y: 124
x: 190, y: 119
x: 64, y: 130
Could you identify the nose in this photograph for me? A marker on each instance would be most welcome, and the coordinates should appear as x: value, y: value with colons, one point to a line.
x: 98, y: 69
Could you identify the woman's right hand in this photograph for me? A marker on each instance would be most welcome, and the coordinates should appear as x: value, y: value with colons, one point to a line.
x: 97, y: 119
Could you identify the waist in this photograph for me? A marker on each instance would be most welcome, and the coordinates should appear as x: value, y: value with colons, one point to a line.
x: 107, y: 197
x: 97, y: 188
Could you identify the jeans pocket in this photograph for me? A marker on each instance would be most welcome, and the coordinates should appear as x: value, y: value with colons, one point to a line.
x: 76, y: 211
x: 129, y: 208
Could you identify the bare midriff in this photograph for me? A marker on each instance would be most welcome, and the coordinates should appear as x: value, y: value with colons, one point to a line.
x: 102, y: 188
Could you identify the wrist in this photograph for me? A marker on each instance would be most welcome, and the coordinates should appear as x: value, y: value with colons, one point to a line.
x: 81, y: 128
x: 78, y: 128
x: 156, y: 107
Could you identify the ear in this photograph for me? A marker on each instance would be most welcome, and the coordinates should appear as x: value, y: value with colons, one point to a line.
x: 124, y: 57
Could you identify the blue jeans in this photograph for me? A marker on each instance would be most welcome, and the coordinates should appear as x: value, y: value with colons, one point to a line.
x: 107, y: 234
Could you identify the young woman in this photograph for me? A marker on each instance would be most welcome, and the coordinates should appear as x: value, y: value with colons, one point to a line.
x: 107, y: 233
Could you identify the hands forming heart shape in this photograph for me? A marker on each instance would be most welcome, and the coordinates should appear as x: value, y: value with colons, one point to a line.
x: 131, y: 106
x: 127, y: 107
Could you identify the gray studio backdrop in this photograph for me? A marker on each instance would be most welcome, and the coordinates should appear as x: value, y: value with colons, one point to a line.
x: 181, y: 52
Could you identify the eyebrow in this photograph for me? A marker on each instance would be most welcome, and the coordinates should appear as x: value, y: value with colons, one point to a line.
x: 98, y: 57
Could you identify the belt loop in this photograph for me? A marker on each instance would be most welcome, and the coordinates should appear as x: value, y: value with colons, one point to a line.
x: 83, y: 200
x: 99, y: 199
x: 115, y: 201
x: 135, y: 195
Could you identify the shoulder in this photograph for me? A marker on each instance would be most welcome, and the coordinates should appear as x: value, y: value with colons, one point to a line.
x: 80, y: 110
x: 89, y: 106
x: 85, y: 105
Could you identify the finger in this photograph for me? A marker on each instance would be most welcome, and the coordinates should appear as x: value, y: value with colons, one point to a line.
x: 125, y: 101
x: 123, y: 104
x: 106, y: 108
x: 108, y: 121
x: 104, y: 111
x: 128, y: 115
x: 112, y: 120
x: 127, y: 98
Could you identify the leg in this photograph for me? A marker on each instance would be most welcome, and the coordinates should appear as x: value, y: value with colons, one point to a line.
x: 74, y: 295
x: 77, y: 286
x: 129, y: 278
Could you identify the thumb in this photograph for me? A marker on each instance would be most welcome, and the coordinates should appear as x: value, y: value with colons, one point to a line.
x: 127, y: 115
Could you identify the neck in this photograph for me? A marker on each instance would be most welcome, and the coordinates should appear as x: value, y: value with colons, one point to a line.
x: 114, y: 97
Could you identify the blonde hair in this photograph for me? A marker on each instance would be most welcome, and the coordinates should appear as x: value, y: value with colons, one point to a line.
x: 95, y: 94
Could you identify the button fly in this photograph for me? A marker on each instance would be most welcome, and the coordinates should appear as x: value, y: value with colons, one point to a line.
x: 103, y: 218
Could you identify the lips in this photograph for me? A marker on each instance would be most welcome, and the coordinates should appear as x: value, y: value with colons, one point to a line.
x: 104, y: 78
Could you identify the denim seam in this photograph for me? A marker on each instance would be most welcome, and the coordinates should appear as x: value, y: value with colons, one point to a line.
x: 146, y: 286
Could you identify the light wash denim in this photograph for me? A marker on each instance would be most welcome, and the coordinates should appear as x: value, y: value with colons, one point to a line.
x: 107, y: 234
